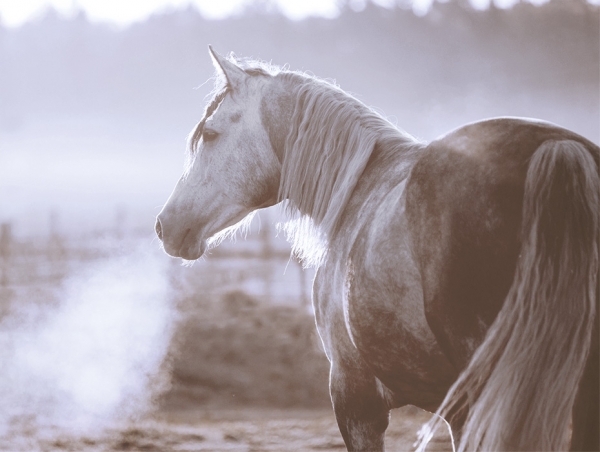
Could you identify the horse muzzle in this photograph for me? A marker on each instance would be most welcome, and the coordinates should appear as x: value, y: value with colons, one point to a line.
x: 184, y: 243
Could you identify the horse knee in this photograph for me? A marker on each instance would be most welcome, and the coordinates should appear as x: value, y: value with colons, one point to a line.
x: 360, y: 410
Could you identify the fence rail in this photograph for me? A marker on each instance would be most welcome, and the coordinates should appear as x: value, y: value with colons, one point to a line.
x: 260, y: 265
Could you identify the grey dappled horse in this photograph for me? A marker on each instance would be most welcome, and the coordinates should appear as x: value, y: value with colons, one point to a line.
x: 459, y: 276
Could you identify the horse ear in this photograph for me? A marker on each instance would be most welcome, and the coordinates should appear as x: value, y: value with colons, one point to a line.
x: 233, y: 73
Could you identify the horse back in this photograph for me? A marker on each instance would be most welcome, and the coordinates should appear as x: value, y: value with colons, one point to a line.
x: 464, y: 203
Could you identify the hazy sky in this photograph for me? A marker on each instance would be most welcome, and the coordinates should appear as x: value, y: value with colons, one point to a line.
x: 122, y: 12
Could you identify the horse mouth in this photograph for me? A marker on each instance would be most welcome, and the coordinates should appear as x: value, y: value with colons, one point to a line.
x: 190, y: 247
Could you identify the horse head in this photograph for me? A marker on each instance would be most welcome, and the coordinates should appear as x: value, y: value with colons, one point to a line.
x: 232, y: 168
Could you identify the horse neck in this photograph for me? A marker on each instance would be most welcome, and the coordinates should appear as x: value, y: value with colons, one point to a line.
x: 324, y: 140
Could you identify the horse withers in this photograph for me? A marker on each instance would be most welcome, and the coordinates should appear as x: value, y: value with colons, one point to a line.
x: 459, y: 276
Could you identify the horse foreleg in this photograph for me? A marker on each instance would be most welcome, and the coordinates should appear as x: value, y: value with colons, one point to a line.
x: 360, y: 408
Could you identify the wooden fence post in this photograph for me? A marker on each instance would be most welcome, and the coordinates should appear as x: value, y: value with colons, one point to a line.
x: 5, y: 248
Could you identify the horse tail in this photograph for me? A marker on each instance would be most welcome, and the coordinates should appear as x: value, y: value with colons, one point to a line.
x: 518, y: 391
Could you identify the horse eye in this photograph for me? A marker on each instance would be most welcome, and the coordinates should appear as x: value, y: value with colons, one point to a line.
x: 209, y: 135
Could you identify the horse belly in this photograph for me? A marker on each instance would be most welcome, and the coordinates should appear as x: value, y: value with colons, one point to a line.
x: 386, y: 318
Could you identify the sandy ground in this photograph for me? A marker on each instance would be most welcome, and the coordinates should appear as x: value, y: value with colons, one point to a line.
x: 246, y: 429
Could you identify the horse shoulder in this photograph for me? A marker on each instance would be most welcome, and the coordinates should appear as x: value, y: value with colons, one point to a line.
x: 383, y: 279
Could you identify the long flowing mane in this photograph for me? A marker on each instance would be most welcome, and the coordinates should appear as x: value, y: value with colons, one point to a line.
x: 331, y: 140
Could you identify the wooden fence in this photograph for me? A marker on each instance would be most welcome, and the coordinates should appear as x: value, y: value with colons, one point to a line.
x: 260, y: 265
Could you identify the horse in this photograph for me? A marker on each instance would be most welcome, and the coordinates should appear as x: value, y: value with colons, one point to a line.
x: 459, y: 276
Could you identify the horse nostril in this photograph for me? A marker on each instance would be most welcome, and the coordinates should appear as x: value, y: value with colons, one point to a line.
x: 158, y: 229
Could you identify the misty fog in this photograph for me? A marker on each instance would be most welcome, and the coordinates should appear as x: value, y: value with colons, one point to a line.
x: 98, y: 326
x: 94, y: 118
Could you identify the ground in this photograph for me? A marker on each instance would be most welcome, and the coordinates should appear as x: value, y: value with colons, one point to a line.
x: 241, y: 430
